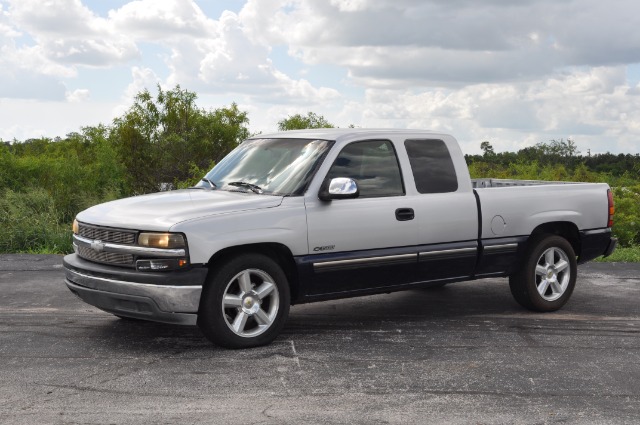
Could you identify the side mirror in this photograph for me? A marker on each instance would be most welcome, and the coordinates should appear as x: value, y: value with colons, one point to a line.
x: 338, y: 188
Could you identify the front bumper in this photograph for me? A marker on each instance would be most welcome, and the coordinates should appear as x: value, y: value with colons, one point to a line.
x: 169, y: 297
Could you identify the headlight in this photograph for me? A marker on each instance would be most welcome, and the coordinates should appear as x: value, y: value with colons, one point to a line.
x: 75, y: 227
x: 162, y: 240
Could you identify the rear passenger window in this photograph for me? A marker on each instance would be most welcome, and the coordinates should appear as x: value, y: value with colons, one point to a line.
x: 373, y: 165
x: 432, y: 166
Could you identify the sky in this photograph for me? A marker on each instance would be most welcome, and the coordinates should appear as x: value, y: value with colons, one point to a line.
x: 514, y: 73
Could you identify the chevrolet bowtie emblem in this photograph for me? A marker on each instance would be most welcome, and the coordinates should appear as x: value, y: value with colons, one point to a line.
x: 97, y: 246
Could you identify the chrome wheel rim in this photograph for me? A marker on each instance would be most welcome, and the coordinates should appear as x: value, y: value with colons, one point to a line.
x: 250, y: 303
x: 552, y: 274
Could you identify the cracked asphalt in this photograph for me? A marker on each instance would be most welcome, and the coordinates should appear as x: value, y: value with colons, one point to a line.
x: 466, y: 353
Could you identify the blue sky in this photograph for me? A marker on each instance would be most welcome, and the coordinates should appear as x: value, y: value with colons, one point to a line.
x: 513, y: 73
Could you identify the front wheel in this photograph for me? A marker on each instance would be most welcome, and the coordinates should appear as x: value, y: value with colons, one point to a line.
x: 548, y: 275
x: 245, y: 302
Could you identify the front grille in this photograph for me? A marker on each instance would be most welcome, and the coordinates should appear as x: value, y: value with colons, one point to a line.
x: 106, y: 234
x: 105, y: 257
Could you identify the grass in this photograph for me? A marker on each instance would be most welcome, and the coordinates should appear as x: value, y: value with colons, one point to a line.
x: 624, y: 255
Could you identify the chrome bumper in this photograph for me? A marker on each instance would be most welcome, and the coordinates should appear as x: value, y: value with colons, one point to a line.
x: 162, y: 303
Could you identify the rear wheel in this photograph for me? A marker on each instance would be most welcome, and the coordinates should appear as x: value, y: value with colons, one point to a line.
x: 548, y: 276
x: 245, y: 302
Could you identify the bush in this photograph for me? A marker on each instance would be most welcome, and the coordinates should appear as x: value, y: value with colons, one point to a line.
x: 30, y: 222
x: 627, y: 218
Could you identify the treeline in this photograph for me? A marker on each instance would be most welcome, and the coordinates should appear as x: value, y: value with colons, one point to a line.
x: 166, y: 141
x: 562, y: 154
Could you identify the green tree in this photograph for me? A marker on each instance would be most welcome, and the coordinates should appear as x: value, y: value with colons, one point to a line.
x: 301, y: 122
x: 560, y: 147
x: 487, y: 149
x: 161, y: 140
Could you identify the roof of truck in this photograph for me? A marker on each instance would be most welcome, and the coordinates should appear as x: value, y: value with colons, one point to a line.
x: 337, y: 133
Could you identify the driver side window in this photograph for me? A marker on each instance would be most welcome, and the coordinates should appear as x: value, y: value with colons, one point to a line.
x: 373, y: 164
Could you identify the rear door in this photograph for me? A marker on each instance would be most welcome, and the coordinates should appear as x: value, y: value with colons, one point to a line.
x: 367, y: 242
x: 446, y: 211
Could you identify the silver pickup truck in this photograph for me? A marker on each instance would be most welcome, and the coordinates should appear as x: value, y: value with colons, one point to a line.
x: 312, y: 215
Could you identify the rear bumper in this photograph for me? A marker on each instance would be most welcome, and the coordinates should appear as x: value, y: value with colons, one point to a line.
x: 171, y: 297
x: 613, y: 243
x: 595, y: 243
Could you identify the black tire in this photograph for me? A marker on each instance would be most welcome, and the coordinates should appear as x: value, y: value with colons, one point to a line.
x: 545, y: 282
x: 247, y: 319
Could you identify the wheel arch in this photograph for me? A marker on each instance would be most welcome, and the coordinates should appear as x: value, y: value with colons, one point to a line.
x: 278, y: 252
x: 565, y: 229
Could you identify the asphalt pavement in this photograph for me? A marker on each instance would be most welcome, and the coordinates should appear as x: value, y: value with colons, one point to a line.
x: 465, y: 353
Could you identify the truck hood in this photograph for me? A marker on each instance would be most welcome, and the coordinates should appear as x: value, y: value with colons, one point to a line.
x: 160, y: 211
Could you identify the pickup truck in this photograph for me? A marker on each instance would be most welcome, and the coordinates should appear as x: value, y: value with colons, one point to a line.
x: 311, y: 215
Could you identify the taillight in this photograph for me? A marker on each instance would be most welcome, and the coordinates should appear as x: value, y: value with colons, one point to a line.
x: 612, y: 208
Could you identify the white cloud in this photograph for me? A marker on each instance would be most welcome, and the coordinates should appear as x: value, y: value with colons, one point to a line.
x: 24, y: 71
x: 54, y: 17
x: 230, y: 58
x: 142, y: 78
x: 68, y: 33
x: 7, y: 29
x: 596, y: 108
x: 349, y: 5
x: 207, y: 55
x: 516, y: 73
x: 447, y: 43
x: 78, y: 95
x: 162, y: 19
x: 231, y: 62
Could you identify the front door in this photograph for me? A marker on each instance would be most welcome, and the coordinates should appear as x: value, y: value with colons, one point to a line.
x: 366, y: 242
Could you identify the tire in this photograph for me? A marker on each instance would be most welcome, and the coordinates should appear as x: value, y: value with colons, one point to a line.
x: 245, y: 302
x: 548, y: 275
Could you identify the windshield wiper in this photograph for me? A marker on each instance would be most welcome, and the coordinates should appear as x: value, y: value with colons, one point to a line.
x: 212, y: 185
x: 252, y: 187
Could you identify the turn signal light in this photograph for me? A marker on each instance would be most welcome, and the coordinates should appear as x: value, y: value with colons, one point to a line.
x: 161, y: 265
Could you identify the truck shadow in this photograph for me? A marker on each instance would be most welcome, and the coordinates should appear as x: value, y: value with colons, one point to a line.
x: 403, y: 309
x: 454, y: 301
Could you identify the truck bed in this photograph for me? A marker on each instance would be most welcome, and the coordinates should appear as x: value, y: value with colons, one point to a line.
x: 516, y: 207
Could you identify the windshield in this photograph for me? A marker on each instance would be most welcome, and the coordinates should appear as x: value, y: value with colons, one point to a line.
x: 270, y: 166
